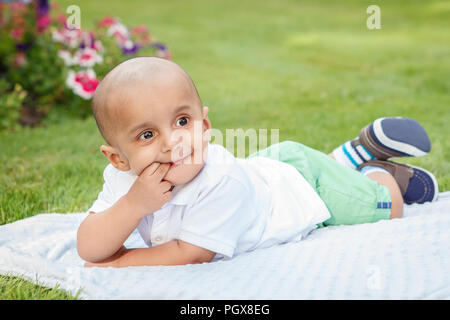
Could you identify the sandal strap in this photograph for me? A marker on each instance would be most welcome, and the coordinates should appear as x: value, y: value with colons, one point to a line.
x: 402, y: 173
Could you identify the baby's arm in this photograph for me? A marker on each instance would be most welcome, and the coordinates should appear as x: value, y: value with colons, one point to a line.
x: 175, y: 252
x: 102, y: 234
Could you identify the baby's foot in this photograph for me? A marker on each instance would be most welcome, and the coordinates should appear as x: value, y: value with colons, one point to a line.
x: 395, y: 137
x: 383, y: 139
x: 417, y: 185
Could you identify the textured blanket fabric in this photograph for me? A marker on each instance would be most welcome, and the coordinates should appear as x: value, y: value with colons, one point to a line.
x: 406, y: 258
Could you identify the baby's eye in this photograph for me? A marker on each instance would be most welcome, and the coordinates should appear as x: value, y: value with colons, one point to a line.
x: 182, y: 121
x: 147, y: 134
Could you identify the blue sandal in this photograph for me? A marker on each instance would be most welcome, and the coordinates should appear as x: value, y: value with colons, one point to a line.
x: 417, y: 185
x: 394, y: 137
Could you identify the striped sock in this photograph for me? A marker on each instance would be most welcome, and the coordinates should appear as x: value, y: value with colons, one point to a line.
x: 350, y: 156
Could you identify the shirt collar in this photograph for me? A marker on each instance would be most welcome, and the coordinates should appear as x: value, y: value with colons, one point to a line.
x: 185, y: 194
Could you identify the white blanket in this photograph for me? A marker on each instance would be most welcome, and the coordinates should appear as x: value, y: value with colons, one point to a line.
x: 406, y: 258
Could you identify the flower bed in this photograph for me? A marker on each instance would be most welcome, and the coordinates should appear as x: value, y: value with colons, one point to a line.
x: 45, y: 63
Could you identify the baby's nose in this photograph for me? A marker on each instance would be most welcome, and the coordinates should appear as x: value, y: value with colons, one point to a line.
x: 168, y: 142
x: 174, y: 139
x: 171, y: 145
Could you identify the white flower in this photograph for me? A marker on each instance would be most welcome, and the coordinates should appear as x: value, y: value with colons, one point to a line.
x: 67, y: 57
x: 98, y: 46
x: 58, y: 36
x: 128, y: 44
x: 68, y: 37
x: 87, y: 57
x: 119, y: 32
x: 118, y: 29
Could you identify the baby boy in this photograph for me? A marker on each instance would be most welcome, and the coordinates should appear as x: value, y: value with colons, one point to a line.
x: 193, y: 201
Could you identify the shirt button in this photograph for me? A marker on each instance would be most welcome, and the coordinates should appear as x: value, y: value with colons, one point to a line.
x: 158, y: 239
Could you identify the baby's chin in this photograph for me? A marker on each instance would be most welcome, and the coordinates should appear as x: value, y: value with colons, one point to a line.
x: 183, y: 173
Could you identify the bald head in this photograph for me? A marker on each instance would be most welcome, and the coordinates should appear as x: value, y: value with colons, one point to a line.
x: 110, y: 94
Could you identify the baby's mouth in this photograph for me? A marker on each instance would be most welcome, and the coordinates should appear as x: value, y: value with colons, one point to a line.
x: 178, y: 162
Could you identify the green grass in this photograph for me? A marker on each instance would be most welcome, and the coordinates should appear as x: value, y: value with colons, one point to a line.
x: 308, y: 68
x: 15, y: 288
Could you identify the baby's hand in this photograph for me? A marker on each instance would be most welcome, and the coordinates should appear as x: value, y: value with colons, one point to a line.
x: 149, y: 192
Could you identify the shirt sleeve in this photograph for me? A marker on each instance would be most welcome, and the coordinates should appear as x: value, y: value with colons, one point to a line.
x: 218, y: 218
x: 106, y: 197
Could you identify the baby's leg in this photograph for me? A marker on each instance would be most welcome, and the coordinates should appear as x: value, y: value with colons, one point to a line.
x: 415, y: 185
x: 383, y: 139
x: 389, y: 182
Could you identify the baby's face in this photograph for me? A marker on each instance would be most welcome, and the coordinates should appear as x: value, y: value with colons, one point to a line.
x: 156, y: 124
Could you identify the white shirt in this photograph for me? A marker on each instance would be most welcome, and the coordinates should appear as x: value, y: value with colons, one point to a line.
x: 233, y: 205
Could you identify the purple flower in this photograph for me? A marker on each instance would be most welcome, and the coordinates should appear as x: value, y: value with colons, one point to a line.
x: 130, y: 47
x: 24, y: 46
x: 88, y: 41
x: 43, y: 7
x: 160, y: 46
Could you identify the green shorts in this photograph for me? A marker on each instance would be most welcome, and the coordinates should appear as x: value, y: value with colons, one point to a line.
x: 351, y: 198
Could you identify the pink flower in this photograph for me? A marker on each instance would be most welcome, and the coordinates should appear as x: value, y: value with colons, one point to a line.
x: 20, y: 59
x: 106, y: 22
x: 145, y: 39
x: 139, y: 29
x: 42, y: 23
x: 17, y: 34
x: 83, y: 83
x: 61, y: 19
x: 17, y: 6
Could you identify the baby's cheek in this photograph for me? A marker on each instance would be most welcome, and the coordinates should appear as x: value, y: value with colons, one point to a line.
x: 141, y: 166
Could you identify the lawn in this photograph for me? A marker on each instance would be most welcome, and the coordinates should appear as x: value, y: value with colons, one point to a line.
x: 311, y: 69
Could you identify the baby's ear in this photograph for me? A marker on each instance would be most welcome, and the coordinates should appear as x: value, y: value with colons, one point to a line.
x: 115, y: 158
x: 205, y: 111
x: 206, y: 121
